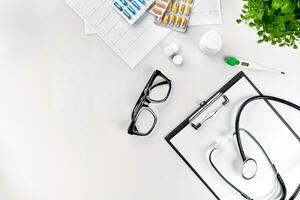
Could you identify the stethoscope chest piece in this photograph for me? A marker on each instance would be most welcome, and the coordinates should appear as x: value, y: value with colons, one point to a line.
x: 249, y: 168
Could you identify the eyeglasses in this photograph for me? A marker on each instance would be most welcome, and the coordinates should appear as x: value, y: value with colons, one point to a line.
x: 143, y: 119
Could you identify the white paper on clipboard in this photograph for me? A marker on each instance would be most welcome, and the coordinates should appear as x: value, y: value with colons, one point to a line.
x: 265, y: 125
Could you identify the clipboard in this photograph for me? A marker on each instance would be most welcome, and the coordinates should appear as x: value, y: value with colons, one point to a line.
x: 187, y: 123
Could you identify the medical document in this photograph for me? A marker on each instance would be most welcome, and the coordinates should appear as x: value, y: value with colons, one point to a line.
x: 261, y: 121
x: 131, y: 42
x: 206, y: 12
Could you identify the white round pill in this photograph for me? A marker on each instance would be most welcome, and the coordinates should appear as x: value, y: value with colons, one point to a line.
x: 174, y: 46
x: 171, y: 49
x: 177, y: 60
x: 168, y: 51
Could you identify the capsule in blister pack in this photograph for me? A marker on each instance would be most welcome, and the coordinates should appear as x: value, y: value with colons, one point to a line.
x: 131, y: 10
x: 159, y: 7
x: 177, y: 15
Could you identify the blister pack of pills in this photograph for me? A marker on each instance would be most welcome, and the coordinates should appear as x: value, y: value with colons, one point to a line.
x: 159, y: 7
x: 177, y: 15
x: 131, y: 10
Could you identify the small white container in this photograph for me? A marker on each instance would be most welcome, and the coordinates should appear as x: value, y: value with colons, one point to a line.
x: 171, y: 49
x: 177, y: 60
x: 210, y: 43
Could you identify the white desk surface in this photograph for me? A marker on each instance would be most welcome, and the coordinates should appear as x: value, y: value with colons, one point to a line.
x: 66, y: 101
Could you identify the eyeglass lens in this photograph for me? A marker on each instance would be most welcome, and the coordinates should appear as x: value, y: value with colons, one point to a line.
x: 157, y: 92
x: 145, y: 121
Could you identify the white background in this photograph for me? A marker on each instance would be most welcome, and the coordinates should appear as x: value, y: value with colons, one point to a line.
x: 66, y: 100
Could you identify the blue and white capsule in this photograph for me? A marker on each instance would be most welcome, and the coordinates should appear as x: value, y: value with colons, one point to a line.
x: 118, y: 6
x: 131, y: 10
x: 126, y: 14
x: 135, y: 4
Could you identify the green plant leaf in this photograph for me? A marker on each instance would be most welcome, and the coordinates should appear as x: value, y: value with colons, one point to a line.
x: 238, y: 21
x: 276, y: 4
x: 288, y: 7
x: 260, y: 41
x: 251, y: 24
x: 260, y: 32
x: 276, y: 21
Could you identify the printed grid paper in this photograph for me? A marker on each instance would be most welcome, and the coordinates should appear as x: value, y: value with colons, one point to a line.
x: 131, y: 42
x: 206, y: 12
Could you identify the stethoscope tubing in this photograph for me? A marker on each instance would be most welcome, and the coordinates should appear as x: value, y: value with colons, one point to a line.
x: 238, y: 137
x: 278, y: 177
x: 223, y: 177
x: 240, y: 110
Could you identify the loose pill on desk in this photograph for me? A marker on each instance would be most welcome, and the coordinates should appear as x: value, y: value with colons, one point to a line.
x: 188, y: 10
x: 177, y: 60
x: 123, y: 2
x: 175, y: 8
x: 181, y: 8
x: 135, y: 4
x: 131, y: 10
x: 126, y: 14
x: 118, y: 6
x: 173, y: 48
x: 172, y: 19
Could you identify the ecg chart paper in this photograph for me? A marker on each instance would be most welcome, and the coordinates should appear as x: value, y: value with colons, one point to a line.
x: 131, y: 42
x: 206, y: 12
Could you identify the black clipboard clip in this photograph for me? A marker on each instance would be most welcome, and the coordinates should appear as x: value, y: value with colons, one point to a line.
x: 210, y: 113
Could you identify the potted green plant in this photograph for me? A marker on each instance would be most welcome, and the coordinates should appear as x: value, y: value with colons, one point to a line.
x: 276, y: 21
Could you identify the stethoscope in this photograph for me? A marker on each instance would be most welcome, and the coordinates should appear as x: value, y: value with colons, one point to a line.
x: 249, y: 167
x: 249, y: 170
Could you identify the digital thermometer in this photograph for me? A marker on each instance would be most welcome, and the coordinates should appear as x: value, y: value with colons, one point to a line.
x: 246, y: 64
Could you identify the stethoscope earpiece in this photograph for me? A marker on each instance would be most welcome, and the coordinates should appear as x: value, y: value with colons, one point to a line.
x: 249, y: 168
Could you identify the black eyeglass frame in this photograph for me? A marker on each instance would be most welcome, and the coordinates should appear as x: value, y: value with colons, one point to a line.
x: 144, y: 101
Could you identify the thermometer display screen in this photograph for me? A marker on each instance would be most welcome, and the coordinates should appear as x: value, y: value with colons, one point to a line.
x: 245, y: 64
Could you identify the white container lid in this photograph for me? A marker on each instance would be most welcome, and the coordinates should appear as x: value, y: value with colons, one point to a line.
x: 171, y: 49
x: 210, y: 42
x: 177, y: 60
